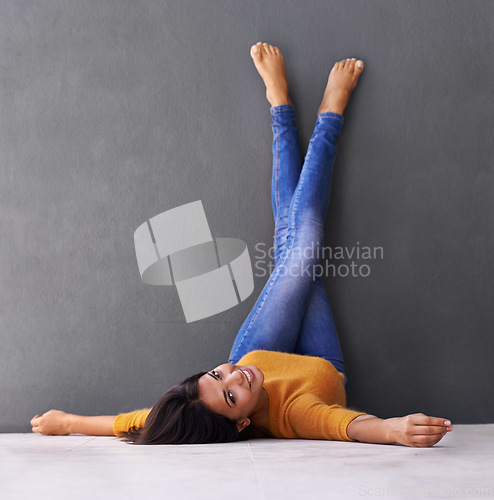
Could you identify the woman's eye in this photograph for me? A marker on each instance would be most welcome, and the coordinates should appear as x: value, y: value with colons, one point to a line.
x: 230, y: 393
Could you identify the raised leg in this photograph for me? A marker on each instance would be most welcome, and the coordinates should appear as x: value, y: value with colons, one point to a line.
x: 287, y: 164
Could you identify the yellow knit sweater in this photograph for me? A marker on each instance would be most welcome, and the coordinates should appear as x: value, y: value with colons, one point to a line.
x: 306, y: 397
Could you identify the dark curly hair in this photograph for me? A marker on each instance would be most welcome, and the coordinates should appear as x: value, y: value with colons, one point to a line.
x: 180, y: 417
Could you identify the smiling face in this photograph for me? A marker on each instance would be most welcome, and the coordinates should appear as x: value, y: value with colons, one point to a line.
x: 233, y: 391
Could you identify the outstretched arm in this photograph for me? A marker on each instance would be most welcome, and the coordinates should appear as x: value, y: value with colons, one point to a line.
x: 59, y: 423
x: 417, y: 429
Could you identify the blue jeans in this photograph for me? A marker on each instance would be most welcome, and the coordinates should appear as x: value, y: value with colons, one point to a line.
x: 292, y: 313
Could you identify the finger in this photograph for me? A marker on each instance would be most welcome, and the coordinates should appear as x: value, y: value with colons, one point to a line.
x: 421, y: 419
x: 429, y: 429
x: 433, y: 435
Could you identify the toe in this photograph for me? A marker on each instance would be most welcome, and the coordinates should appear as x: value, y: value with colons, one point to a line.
x: 359, y: 66
x: 255, y: 51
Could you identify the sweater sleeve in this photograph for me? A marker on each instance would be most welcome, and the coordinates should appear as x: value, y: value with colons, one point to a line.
x: 124, y: 421
x: 310, y: 418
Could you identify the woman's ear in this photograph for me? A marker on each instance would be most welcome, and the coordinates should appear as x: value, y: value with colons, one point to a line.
x: 242, y: 424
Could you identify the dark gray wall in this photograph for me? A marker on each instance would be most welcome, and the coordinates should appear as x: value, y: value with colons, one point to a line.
x: 115, y: 111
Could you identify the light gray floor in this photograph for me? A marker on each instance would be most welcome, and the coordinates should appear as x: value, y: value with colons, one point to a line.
x: 34, y: 466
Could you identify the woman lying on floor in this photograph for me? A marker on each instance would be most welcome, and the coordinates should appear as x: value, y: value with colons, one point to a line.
x: 285, y: 377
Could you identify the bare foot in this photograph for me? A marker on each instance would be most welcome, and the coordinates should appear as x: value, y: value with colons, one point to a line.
x: 341, y: 82
x: 270, y: 65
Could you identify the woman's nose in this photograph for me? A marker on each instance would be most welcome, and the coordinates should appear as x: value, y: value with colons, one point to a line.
x: 236, y: 376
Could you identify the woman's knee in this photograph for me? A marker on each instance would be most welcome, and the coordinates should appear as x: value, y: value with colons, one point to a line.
x: 308, y: 234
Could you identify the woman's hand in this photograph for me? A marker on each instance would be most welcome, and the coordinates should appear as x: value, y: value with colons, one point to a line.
x: 418, y: 429
x: 59, y: 423
x: 52, y: 423
x: 412, y: 430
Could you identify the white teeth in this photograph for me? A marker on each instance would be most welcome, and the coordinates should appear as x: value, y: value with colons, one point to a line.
x: 248, y: 375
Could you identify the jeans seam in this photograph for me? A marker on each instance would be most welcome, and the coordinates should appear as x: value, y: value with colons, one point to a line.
x: 330, y: 114
x: 281, y: 108
x: 277, y: 174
